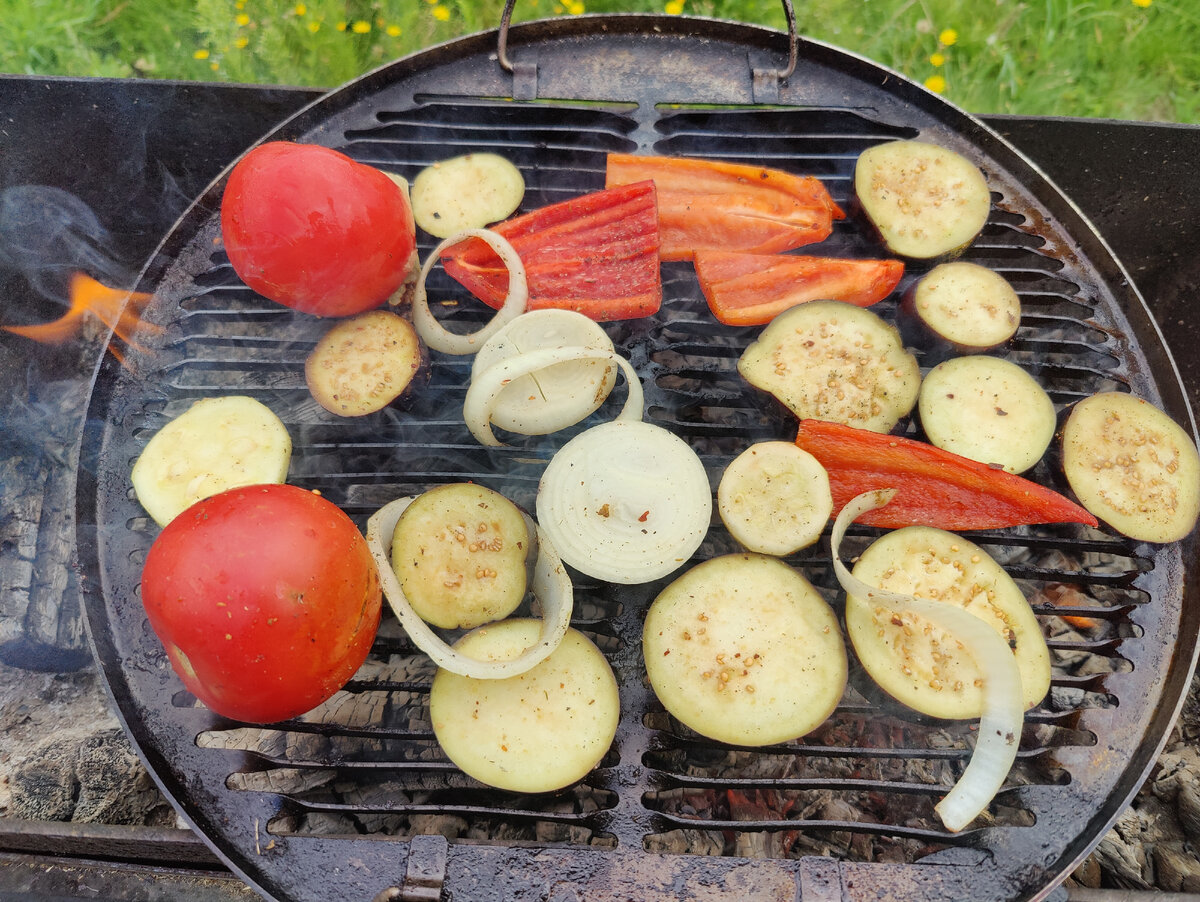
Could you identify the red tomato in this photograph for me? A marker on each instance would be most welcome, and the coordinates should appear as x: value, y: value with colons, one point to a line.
x: 314, y: 230
x: 266, y: 598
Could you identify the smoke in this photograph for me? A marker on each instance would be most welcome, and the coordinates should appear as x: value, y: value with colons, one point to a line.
x: 47, y: 234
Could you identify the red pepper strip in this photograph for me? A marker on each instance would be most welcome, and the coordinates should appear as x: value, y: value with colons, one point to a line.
x: 596, y: 254
x: 935, y: 487
x: 713, y: 205
x: 752, y: 289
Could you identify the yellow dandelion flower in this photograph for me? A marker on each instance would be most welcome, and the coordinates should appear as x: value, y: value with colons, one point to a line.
x: 241, y: 43
x: 576, y: 8
x: 341, y: 26
x: 200, y: 54
x: 300, y: 9
x: 241, y: 4
x: 937, y: 59
x: 441, y: 13
x: 314, y: 26
x: 394, y: 31
x: 935, y: 83
x: 674, y: 8
x: 242, y: 20
x: 948, y: 37
x: 214, y: 65
x: 361, y: 27
x: 1142, y: 3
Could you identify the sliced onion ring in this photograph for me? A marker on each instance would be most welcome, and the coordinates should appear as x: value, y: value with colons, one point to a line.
x: 486, y: 387
x: 437, y: 336
x: 551, y: 587
x: 1002, y: 718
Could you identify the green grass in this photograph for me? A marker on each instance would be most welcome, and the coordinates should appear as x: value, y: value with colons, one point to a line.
x: 1092, y: 58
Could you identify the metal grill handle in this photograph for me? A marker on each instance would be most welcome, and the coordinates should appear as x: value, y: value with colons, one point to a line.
x: 782, y: 75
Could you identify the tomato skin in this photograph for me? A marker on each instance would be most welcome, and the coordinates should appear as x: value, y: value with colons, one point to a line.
x: 266, y: 599
x: 314, y: 230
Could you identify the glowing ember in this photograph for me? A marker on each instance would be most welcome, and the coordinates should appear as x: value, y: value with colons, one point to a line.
x: 117, y: 308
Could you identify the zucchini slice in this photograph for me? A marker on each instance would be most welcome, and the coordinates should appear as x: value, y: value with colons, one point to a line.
x: 964, y: 306
x: 460, y: 552
x: 987, y: 409
x: 1132, y: 466
x: 536, y: 732
x: 925, y: 201
x: 216, y: 444
x: 828, y: 360
x: 742, y: 649
x: 466, y: 192
x: 914, y: 660
x: 363, y: 363
x: 774, y: 498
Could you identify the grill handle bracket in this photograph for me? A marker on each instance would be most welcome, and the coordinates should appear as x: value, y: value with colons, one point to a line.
x: 766, y: 82
x: 425, y: 873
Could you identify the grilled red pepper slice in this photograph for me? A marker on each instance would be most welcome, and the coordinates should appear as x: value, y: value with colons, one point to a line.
x: 934, y: 487
x: 715, y: 205
x: 752, y: 289
x: 596, y: 254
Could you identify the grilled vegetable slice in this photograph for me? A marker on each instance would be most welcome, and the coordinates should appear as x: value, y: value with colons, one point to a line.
x: 486, y: 388
x: 1132, y: 466
x: 742, y: 649
x: 752, y: 289
x: 917, y: 661
x: 625, y: 501
x: 460, y: 554
x: 536, y: 732
x: 716, y: 205
x: 363, y: 363
x: 1001, y: 719
x: 988, y: 409
x: 925, y: 201
x: 466, y: 192
x: 563, y: 393
x: 774, y: 498
x: 833, y: 361
x: 596, y: 254
x: 965, y: 307
x: 933, y: 487
x: 216, y: 444
x: 515, y: 299
x: 551, y: 588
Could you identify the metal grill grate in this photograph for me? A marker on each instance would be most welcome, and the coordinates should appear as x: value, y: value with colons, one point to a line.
x: 290, y: 805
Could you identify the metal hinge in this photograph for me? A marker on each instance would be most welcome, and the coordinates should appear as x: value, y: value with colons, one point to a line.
x: 424, y: 874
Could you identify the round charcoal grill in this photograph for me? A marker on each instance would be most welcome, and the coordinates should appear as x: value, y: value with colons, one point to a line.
x: 355, y: 799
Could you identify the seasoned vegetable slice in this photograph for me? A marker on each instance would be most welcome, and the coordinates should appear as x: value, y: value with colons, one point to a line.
x: 536, y: 732
x: 988, y: 409
x: 925, y: 201
x: 933, y: 487
x: 965, y: 306
x: 596, y: 254
x: 916, y: 661
x: 466, y: 192
x: 752, y: 289
x: 774, y: 498
x: 717, y: 205
x: 216, y: 444
x: 742, y: 649
x: 625, y: 501
x: 460, y: 553
x: 1132, y: 466
x: 833, y: 361
x: 363, y: 363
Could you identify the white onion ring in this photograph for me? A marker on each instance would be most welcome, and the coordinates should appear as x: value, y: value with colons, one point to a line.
x: 625, y: 501
x: 486, y: 387
x: 551, y: 587
x: 1002, y: 718
x: 437, y: 336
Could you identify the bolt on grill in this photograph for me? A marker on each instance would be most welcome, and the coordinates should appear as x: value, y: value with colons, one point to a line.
x: 356, y: 797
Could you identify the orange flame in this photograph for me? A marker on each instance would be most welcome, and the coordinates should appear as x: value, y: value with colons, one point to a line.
x: 118, y: 309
